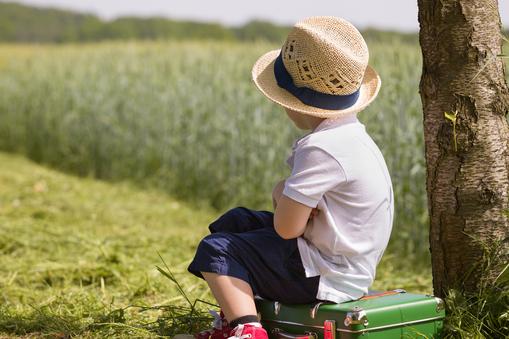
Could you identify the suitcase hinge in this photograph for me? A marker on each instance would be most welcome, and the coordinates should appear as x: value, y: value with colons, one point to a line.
x: 440, y: 304
x: 356, y: 317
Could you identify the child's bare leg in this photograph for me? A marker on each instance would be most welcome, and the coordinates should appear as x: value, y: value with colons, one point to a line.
x: 234, y: 295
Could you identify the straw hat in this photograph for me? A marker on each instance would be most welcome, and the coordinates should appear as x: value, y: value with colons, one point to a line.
x: 321, y: 70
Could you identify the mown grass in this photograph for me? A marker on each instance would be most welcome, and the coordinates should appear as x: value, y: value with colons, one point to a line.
x: 184, y: 117
x: 73, y: 251
x: 78, y: 257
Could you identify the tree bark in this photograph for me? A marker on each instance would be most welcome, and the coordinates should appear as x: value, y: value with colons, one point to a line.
x: 467, y: 165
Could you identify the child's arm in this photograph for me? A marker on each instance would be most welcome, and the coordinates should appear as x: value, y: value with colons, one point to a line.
x: 291, y: 217
x: 277, y: 192
x: 314, y: 172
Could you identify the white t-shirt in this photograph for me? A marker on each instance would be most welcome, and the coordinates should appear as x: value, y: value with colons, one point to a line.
x: 339, y: 169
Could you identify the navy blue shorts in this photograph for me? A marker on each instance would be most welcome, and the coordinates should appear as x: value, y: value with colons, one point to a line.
x: 243, y: 244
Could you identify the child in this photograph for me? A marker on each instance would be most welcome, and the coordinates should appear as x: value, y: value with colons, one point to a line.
x: 333, y: 214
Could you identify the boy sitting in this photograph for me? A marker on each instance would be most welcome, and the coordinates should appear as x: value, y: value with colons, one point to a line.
x: 333, y: 214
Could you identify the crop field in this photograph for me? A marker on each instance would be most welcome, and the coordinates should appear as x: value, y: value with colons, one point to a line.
x: 185, y: 118
x: 177, y: 134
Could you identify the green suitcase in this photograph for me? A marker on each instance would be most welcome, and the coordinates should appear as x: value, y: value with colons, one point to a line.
x: 384, y: 315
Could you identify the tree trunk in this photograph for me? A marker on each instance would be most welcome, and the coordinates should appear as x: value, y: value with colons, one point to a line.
x: 467, y: 164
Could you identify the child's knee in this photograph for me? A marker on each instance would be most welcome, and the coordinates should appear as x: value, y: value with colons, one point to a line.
x: 229, y: 221
x: 212, y: 245
x: 210, y: 254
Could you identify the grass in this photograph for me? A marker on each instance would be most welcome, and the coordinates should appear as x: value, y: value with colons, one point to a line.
x: 73, y: 251
x: 485, y: 312
x: 79, y: 257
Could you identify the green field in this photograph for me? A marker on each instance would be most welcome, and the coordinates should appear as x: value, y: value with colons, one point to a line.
x: 185, y: 118
x: 75, y: 252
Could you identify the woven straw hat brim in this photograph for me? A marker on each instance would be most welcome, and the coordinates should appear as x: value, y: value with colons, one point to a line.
x: 263, y: 77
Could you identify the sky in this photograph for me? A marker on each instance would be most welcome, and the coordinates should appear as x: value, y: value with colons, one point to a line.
x: 387, y: 14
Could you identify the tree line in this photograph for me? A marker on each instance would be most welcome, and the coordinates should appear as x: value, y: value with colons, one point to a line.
x: 21, y: 23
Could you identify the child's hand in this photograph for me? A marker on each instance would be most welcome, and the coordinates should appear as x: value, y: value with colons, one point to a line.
x: 314, y: 213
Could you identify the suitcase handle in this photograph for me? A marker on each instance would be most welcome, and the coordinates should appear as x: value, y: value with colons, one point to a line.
x: 280, y: 334
x: 382, y: 294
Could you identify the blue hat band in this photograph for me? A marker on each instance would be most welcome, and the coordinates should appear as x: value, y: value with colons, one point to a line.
x: 309, y: 96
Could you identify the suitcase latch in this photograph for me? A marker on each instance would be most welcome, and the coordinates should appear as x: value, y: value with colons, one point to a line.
x: 277, y: 307
x: 356, y: 317
x: 329, y: 329
x: 440, y: 304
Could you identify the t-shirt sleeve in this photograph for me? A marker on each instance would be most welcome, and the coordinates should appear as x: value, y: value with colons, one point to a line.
x: 314, y: 172
x: 289, y: 161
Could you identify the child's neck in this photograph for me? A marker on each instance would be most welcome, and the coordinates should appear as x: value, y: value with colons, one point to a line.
x: 313, y: 122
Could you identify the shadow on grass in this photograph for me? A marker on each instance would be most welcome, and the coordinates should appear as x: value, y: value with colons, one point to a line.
x: 483, y: 313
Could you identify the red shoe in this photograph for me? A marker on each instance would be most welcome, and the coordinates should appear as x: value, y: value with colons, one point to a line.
x: 250, y: 330
x: 220, y: 328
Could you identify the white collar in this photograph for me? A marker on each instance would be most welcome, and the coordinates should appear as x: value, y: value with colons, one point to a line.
x: 328, y: 124
x: 331, y: 123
